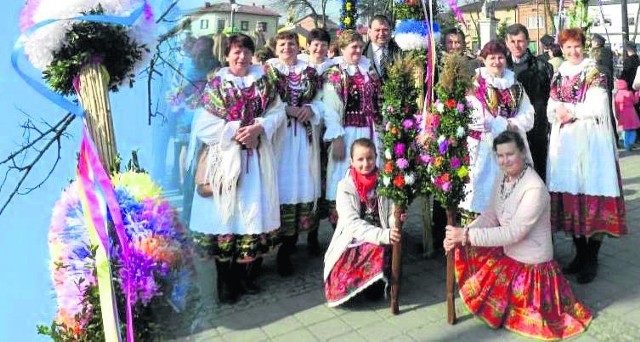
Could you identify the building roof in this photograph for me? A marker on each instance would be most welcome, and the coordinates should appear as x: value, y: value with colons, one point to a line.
x: 225, y: 7
x: 330, y: 23
x: 499, y: 5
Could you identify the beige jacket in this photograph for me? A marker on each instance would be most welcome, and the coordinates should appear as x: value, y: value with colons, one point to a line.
x: 351, y: 229
x: 521, y: 223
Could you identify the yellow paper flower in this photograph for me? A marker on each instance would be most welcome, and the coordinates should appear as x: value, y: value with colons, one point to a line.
x: 347, y: 21
x: 463, y: 172
x: 140, y: 185
x: 348, y: 6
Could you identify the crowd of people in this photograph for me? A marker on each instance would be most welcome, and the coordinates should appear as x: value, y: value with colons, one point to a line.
x: 280, y: 140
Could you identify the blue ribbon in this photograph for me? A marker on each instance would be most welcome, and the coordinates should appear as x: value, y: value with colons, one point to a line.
x: 61, y: 101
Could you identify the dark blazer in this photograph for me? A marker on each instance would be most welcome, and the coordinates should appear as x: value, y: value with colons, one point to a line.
x: 393, y: 49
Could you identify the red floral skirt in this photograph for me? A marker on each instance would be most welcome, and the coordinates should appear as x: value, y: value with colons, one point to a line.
x: 587, y: 215
x: 358, y: 268
x: 532, y: 300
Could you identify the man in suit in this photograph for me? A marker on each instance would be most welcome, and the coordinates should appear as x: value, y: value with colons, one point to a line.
x: 535, y: 76
x: 380, y: 49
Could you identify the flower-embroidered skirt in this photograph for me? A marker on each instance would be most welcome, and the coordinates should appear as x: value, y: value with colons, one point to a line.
x: 587, y: 215
x: 241, y: 248
x: 532, y: 300
x: 358, y: 268
x: 297, y: 218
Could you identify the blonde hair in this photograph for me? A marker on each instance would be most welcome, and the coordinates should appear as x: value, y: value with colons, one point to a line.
x: 347, y: 37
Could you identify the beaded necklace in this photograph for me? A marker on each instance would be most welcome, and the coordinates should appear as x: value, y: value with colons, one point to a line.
x: 503, y: 195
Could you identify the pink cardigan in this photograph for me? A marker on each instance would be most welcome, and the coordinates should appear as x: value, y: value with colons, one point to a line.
x: 521, y: 223
x: 624, y: 101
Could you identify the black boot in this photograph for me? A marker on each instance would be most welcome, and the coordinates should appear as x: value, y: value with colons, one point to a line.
x: 578, y: 261
x: 313, y: 246
x: 249, y: 284
x: 590, y: 269
x: 227, y: 287
x: 285, y: 267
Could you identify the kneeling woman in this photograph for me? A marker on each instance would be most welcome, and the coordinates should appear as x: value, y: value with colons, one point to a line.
x: 504, y: 259
x: 355, y: 259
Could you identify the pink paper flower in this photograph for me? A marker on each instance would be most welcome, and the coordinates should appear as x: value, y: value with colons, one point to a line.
x: 402, y: 163
x: 407, y: 124
x: 399, y: 149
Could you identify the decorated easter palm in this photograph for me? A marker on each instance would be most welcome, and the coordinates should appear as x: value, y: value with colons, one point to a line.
x: 117, y: 247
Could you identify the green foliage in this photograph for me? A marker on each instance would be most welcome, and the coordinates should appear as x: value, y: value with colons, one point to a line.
x: 501, y: 31
x: 445, y: 155
x: 402, y: 94
x: 410, y: 9
x: 88, y: 42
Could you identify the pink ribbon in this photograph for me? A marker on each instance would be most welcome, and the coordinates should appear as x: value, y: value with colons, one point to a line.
x: 97, y: 184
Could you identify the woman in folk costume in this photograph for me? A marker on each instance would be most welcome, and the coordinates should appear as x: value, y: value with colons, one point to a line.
x: 583, y: 174
x: 236, y: 210
x: 351, y: 97
x: 357, y: 257
x: 297, y: 144
x: 199, y: 61
x: 504, y: 259
x: 499, y: 103
x: 317, y: 47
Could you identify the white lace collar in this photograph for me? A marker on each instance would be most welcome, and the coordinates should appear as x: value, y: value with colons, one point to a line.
x: 504, y: 82
x: 297, y: 68
x: 320, y: 68
x: 569, y: 69
x: 255, y: 73
x: 364, y: 64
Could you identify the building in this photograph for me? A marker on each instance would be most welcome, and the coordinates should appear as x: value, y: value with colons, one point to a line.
x: 307, y: 23
x: 532, y: 15
x: 608, y: 23
x: 505, y: 11
x: 214, y: 18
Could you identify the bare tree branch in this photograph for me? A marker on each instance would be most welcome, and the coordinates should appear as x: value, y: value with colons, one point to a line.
x: 52, y: 135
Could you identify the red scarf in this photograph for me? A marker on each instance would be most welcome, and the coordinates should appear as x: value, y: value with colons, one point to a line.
x: 364, y: 183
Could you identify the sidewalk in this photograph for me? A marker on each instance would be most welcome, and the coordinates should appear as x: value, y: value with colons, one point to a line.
x: 294, y: 309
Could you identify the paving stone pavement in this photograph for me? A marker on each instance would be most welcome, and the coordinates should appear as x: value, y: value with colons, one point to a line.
x: 294, y: 309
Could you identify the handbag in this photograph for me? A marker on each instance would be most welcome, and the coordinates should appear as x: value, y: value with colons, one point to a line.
x: 203, y: 187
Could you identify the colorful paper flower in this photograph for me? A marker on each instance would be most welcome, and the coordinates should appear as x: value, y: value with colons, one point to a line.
x: 402, y: 163
x: 455, y: 163
x: 398, y: 181
x: 442, y: 147
x: 409, y: 179
x: 388, y: 167
x: 399, y: 149
x: 407, y: 124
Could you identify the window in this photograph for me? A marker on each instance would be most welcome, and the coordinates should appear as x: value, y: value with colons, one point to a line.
x: 220, y: 27
x: 244, y: 25
x: 535, y: 22
x: 263, y: 25
x: 204, y: 24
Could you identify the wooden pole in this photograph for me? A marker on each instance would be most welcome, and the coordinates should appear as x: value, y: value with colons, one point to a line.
x: 93, y: 92
x: 451, y: 277
x: 396, y: 259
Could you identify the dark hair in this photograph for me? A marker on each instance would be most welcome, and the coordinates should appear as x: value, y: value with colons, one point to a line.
x: 335, y: 48
x: 287, y: 35
x: 516, y: 29
x: 239, y: 40
x: 571, y: 34
x: 202, y: 46
x: 380, y: 17
x: 363, y: 142
x: 454, y: 30
x: 319, y: 34
x: 556, y: 51
x: 493, y: 47
x: 508, y: 137
x: 630, y: 46
x: 263, y: 54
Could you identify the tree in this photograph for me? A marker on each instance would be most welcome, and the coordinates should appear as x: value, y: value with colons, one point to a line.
x: 300, y: 8
x: 501, y: 31
x: 369, y: 8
